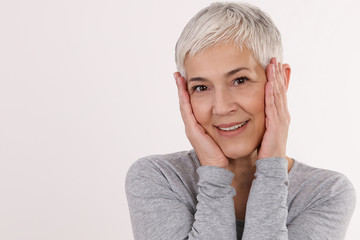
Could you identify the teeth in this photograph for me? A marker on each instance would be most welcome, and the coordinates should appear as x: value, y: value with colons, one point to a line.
x: 234, y: 127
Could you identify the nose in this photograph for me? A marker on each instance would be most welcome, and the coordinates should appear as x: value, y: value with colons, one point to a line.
x: 224, y: 103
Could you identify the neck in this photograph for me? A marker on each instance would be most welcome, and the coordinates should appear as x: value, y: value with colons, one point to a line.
x: 244, y: 168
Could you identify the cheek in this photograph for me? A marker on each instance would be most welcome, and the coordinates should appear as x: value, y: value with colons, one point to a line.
x: 254, y: 102
x: 259, y: 111
x: 201, y: 110
x: 259, y: 102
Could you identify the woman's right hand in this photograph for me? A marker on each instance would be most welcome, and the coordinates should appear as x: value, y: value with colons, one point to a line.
x: 207, y: 150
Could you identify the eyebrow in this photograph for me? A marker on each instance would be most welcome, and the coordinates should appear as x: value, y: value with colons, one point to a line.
x: 228, y: 74
x: 232, y: 72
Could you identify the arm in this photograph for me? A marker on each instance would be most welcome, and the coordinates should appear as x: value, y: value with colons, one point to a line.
x: 267, y: 211
x: 327, y: 205
x: 158, y: 213
x: 327, y: 213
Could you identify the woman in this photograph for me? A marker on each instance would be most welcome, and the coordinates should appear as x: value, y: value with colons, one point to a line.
x: 237, y: 183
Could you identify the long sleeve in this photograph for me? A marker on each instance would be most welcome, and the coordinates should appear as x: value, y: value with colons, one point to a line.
x: 159, y: 211
x: 266, y: 210
x: 314, y: 204
x: 328, y: 203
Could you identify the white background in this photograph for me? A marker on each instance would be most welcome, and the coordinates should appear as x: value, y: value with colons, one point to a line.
x: 86, y: 88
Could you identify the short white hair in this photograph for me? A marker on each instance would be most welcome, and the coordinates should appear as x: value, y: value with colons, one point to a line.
x: 222, y: 23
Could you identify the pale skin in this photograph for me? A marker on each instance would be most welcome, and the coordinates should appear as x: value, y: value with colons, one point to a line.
x: 226, y: 86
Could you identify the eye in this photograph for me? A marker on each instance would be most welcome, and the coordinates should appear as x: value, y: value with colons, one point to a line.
x: 240, y: 80
x: 199, y: 88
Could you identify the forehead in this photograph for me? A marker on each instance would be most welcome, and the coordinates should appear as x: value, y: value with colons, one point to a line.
x: 219, y: 60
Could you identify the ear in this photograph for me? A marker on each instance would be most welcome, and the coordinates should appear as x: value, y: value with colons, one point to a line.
x: 287, y: 70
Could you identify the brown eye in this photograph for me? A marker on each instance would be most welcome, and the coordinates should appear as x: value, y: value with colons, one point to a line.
x: 240, y: 80
x: 199, y: 88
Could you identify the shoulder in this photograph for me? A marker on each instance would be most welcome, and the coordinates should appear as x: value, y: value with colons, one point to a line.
x: 174, y: 170
x: 185, y: 160
x: 303, y: 175
x: 310, y: 187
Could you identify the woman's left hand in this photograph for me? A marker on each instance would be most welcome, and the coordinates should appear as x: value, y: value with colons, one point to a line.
x: 276, y: 111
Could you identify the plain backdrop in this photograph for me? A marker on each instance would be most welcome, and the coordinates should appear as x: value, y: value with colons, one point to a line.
x: 86, y: 88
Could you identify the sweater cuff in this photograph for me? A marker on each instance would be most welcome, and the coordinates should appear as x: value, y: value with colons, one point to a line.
x: 215, y: 174
x: 272, y: 167
x: 215, y: 181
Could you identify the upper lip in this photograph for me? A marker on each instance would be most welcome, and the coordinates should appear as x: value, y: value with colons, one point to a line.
x: 230, y: 124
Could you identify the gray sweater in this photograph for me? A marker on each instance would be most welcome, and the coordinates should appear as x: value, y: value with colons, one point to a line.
x: 173, y: 197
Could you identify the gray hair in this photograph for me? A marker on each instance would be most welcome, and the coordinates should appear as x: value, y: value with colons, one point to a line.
x: 222, y: 23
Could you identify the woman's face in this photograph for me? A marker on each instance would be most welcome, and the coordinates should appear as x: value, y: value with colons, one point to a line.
x: 226, y: 88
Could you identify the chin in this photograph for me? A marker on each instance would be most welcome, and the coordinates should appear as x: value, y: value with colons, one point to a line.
x: 238, y: 153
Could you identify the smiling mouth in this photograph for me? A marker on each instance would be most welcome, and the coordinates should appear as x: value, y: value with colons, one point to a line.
x: 234, y: 127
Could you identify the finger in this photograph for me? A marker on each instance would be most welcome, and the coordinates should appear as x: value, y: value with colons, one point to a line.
x: 280, y: 93
x: 270, y: 70
x: 184, y: 99
x: 181, y: 86
x: 279, y: 67
x: 276, y: 76
x: 270, y: 108
x: 282, y: 78
x: 277, y: 80
x: 285, y: 102
x: 184, y: 102
x: 271, y: 90
x: 273, y: 60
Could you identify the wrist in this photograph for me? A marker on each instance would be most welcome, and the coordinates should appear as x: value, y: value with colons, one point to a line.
x: 219, y: 165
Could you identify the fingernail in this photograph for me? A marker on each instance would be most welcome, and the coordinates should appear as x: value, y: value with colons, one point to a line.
x: 273, y: 68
